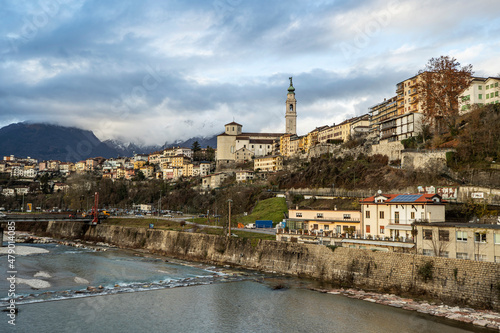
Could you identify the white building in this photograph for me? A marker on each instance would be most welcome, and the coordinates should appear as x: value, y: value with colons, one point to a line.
x: 392, y: 215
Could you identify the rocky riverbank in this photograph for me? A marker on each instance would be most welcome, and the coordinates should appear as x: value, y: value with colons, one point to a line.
x: 483, y: 318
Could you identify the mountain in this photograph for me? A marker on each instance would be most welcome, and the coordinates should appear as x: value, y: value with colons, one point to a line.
x: 129, y: 148
x: 71, y: 144
x: 203, y: 142
x: 52, y: 142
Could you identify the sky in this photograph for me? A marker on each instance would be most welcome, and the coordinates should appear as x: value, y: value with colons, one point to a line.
x: 151, y: 72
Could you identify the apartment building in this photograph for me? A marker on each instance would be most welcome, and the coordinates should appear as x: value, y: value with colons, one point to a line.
x: 392, y: 215
x: 269, y: 163
x: 480, y: 91
x: 471, y: 241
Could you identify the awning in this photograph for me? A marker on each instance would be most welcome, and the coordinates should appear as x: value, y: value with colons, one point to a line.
x: 399, y: 227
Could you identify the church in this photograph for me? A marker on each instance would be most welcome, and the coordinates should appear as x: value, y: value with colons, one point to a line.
x: 235, y: 146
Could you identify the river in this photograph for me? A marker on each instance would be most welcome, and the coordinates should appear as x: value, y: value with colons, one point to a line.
x: 140, y: 292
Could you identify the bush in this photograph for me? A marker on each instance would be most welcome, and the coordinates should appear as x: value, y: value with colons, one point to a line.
x: 425, y: 271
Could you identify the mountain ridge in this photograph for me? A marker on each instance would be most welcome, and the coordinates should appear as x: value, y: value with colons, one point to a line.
x: 44, y: 141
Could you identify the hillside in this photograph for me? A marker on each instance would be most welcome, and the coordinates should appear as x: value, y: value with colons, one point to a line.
x: 51, y: 142
x: 268, y: 209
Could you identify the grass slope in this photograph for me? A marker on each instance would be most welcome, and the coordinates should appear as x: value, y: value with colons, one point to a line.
x: 269, y: 209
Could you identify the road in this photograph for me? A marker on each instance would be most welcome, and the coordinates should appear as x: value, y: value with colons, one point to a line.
x: 269, y: 231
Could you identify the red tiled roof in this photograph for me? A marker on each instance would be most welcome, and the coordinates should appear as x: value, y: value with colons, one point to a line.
x: 422, y: 198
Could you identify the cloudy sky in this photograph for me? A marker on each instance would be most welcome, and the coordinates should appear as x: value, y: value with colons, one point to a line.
x: 154, y: 71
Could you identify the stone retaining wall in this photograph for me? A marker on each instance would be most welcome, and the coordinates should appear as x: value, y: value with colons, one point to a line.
x: 458, y: 281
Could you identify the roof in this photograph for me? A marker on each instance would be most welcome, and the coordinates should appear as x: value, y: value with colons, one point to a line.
x: 404, y: 198
x: 459, y: 225
x: 233, y: 123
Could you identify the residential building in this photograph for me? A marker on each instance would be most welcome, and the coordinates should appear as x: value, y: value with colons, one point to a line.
x: 147, y: 171
x: 408, y: 95
x: 325, y: 134
x: 214, y: 180
x: 392, y: 215
x: 187, y: 170
x: 473, y: 241
x: 154, y: 158
x: 360, y: 125
x: 342, y: 131
x: 243, y: 155
x: 79, y: 166
x: 336, y: 222
x: 480, y: 91
x: 139, y: 164
x: 61, y: 187
x: 243, y: 176
x: 381, y: 112
x: 179, y: 161
x: 269, y: 163
x: 184, y: 151
x: 400, y: 127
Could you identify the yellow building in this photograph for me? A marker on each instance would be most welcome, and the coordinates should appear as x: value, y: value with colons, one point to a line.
x: 407, y: 95
x: 336, y: 222
x: 187, y: 170
x: 179, y: 161
x: 139, y: 164
x: 268, y: 163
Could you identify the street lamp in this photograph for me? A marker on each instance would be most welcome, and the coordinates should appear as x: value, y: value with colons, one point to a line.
x: 229, y: 216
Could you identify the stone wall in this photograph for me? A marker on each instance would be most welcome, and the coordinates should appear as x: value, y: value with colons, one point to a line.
x: 431, y: 160
x: 391, y: 149
x: 450, y: 280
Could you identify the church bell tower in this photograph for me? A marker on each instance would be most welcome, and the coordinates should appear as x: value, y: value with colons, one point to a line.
x: 291, y: 110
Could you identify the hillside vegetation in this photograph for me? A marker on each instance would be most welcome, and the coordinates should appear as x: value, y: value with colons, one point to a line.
x: 269, y: 209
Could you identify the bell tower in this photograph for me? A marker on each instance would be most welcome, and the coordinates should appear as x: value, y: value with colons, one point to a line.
x: 291, y: 110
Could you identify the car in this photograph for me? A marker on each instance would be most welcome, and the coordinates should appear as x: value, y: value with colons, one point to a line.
x: 167, y: 215
x: 3, y: 215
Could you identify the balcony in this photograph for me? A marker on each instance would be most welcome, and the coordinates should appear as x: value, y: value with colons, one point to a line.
x: 387, y: 135
x: 389, y: 124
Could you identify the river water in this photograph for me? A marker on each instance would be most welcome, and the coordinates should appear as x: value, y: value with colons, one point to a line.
x: 139, y: 292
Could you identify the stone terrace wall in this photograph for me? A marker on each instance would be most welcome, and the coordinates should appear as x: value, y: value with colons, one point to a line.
x: 453, y: 280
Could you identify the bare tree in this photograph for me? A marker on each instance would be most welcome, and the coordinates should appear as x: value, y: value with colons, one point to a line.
x: 439, y: 86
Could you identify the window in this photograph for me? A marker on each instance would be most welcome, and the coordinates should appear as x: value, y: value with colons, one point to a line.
x: 427, y: 234
x: 480, y: 87
x: 367, y: 214
x: 496, y: 237
x: 487, y: 86
x: 412, y: 215
x: 315, y: 226
x: 444, y: 254
x: 480, y: 237
x: 347, y: 216
x: 462, y: 236
x: 444, y: 235
x: 381, y: 215
x: 480, y: 257
x: 327, y: 227
x: 367, y: 229
x: 496, y: 93
x: 427, y: 252
x: 497, y: 259
x: 396, y: 217
x: 298, y: 214
x: 260, y: 146
x: 462, y: 255
x: 319, y: 215
x: 480, y: 96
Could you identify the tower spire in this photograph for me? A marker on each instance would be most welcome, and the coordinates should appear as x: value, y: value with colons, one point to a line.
x: 291, y: 110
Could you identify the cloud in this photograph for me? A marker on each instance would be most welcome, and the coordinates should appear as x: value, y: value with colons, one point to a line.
x: 154, y: 71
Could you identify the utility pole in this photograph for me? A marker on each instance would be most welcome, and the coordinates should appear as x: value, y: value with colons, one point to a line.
x: 229, y: 217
